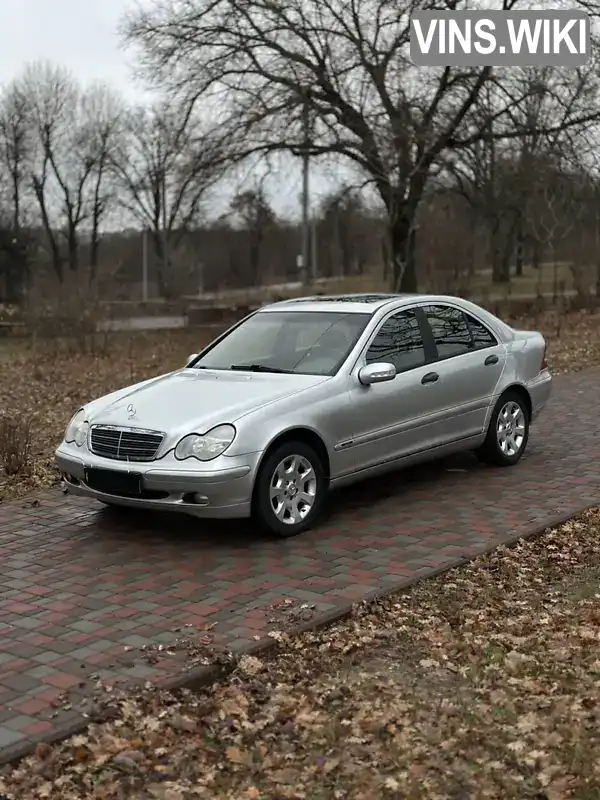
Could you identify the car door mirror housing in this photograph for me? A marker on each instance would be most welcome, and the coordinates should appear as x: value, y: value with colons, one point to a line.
x: 191, y: 358
x: 376, y: 373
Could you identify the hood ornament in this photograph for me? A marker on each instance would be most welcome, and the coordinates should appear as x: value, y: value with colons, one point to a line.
x: 130, y: 411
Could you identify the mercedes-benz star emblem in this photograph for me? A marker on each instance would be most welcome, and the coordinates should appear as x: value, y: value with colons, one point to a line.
x: 131, y: 411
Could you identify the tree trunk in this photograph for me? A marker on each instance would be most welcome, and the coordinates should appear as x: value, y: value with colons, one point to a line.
x: 72, y: 248
x: 500, y: 257
x: 254, y: 257
x: 500, y: 267
x: 403, y: 252
x: 95, y: 243
x: 13, y: 268
x: 385, y: 259
x: 98, y: 209
x: 94, y: 250
x: 344, y: 250
x: 520, y: 253
x: 536, y: 254
x: 473, y: 230
x: 256, y: 238
x: 57, y: 261
x: 341, y: 265
x: 157, y: 241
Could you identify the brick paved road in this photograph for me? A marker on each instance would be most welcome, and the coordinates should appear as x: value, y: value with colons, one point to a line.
x: 82, y: 589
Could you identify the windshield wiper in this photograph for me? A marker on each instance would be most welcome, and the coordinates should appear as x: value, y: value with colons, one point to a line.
x: 260, y: 368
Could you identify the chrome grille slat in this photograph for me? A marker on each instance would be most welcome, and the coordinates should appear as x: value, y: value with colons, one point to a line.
x: 112, y: 440
x: 125, y: 444
x: 111, y: 433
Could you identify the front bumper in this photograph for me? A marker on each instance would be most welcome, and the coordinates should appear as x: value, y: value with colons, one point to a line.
x: 215, y: 490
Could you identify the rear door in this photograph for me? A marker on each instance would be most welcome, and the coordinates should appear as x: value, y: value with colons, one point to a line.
x: 392, y: 419
x: 469, y: 363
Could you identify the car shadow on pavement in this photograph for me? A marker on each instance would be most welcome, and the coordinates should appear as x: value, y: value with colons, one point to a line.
x: 394, y: 483
x: 158, y: 528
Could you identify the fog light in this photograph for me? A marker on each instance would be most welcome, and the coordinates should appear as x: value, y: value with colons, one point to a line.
x: 201, y: 499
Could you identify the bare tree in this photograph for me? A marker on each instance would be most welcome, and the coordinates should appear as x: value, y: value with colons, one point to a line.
x: 71, y: 131
x: 447, y: 241
x: 497, y: 174
x: 16, y: 256
x: 51, y: 95
x: 349, y: 62
x: 342, y: 213
x: 15, y: 146
x: 557, y: 205
x: 165, y: 166
x: 100, y: 137
x: 489, y: 178
x: 257, y: 216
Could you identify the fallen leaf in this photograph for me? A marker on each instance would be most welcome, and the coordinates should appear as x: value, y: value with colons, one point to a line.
x: 237, y: 756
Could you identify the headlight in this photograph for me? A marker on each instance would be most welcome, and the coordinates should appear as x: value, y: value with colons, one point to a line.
x: 77, y: 429
x: 205, y: 446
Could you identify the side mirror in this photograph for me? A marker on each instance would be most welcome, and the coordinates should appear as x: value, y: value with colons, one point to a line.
x: 190, y: 359
x: 376, y: 373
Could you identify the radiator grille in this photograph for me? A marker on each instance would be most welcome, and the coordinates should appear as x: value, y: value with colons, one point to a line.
x: 125, y: 444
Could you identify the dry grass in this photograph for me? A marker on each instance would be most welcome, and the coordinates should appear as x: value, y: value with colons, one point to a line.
x: 42, y: 384
x: 482, y: 683
x: 534, y: 282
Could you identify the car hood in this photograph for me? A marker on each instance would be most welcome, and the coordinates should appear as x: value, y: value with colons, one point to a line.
x: 196, y: 400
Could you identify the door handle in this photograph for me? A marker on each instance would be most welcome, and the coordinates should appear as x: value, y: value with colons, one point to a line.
x: 493, y: 359
x: 431, y: 377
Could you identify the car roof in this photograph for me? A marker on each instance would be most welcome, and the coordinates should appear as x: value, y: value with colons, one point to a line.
x: 370, y: 302
x: 360, y: 303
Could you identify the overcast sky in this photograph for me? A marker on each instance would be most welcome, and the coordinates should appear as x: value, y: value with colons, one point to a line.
x: 82, y: 36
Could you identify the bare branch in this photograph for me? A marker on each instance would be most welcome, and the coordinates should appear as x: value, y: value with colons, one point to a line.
x: 256, y: 62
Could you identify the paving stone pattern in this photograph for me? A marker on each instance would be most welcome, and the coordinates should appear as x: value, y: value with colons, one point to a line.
x: 83, y: 588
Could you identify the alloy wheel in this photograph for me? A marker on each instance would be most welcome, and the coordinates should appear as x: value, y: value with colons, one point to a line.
x: 293, y: 489
x: 510, y: 428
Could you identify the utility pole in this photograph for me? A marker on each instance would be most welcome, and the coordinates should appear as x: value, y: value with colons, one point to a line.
x: 165, y: 238
x: 306, y: 272
x: 144, y: 264
x: 314, y: 251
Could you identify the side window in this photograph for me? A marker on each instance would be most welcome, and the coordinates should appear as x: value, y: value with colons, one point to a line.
x: 482, y: 337
x: 398, y: 342
x: 450, y: 331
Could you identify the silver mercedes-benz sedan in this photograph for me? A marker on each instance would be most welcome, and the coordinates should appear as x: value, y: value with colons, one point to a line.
x: 308, y: 395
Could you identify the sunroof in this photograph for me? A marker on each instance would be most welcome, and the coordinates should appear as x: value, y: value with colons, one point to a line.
x: 346, y: 298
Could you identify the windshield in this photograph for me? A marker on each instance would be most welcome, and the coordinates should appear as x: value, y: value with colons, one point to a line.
x: 300, y: 342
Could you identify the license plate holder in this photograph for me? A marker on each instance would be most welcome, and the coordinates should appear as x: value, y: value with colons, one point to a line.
x: 108, y: 481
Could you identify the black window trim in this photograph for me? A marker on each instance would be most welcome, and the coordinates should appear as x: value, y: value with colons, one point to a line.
x: 428, y: 343
x: 466, y: 315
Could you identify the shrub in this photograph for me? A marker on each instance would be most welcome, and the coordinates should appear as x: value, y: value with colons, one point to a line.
x: 15, y: 445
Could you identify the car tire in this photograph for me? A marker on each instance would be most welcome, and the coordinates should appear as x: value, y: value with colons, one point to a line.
x: 508, y: 431
x: 286, y: 510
